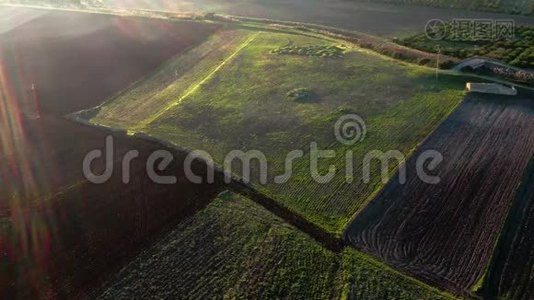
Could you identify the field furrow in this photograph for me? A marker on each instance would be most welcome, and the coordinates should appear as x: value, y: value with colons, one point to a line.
x: 511, y: 274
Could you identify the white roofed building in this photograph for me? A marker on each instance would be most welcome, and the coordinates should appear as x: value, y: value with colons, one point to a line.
x: 491, y: 88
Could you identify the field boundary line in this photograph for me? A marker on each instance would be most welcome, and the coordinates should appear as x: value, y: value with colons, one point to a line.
x: 377, y: 193
x: 237, y: 185
x: 195, y: 87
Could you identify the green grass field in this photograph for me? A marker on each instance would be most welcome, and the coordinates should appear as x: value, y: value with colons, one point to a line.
x: 235, y: 97
x: 237, y: 249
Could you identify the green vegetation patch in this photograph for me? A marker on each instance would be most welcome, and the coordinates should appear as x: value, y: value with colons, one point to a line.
x: 314, y: 50
x: 302, y: 94
x: 237, y: 249
x: 241, y: 103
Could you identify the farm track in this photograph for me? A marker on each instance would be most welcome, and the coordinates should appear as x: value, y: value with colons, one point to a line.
x: 195, y: 86
x: 149, y: 96
x: 444, y: 234
x: 510, y: 274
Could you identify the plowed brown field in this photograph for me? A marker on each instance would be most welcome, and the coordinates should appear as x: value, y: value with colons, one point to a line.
x: 445, y: 234
x: 511, y: 271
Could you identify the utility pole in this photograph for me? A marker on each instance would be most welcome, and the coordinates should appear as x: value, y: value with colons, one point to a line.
x: 35, y: 100
x: 437, y: 62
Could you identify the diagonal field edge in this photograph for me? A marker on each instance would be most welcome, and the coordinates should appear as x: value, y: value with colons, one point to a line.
x: 195, y: 87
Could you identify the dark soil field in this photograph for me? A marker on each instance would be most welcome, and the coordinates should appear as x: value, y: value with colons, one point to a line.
x: 51, y: 53
x: 59, y: 234
x: 64, y: 245
x: 510, y: 274
x: 77, y: 60
x: 445, y: 234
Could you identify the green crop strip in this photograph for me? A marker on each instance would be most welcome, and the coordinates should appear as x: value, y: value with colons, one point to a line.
x: 194, y: 87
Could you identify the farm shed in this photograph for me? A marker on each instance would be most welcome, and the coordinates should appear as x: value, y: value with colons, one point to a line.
x: 491, y: 88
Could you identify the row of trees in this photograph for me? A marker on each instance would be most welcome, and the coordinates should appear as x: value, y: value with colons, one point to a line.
x: 525, y: 7
x: 517, y: 51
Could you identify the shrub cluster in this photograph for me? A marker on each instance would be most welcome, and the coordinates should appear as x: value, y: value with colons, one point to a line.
x: 518, y: 52
x: 301, y: 94
x: 314, y: 50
